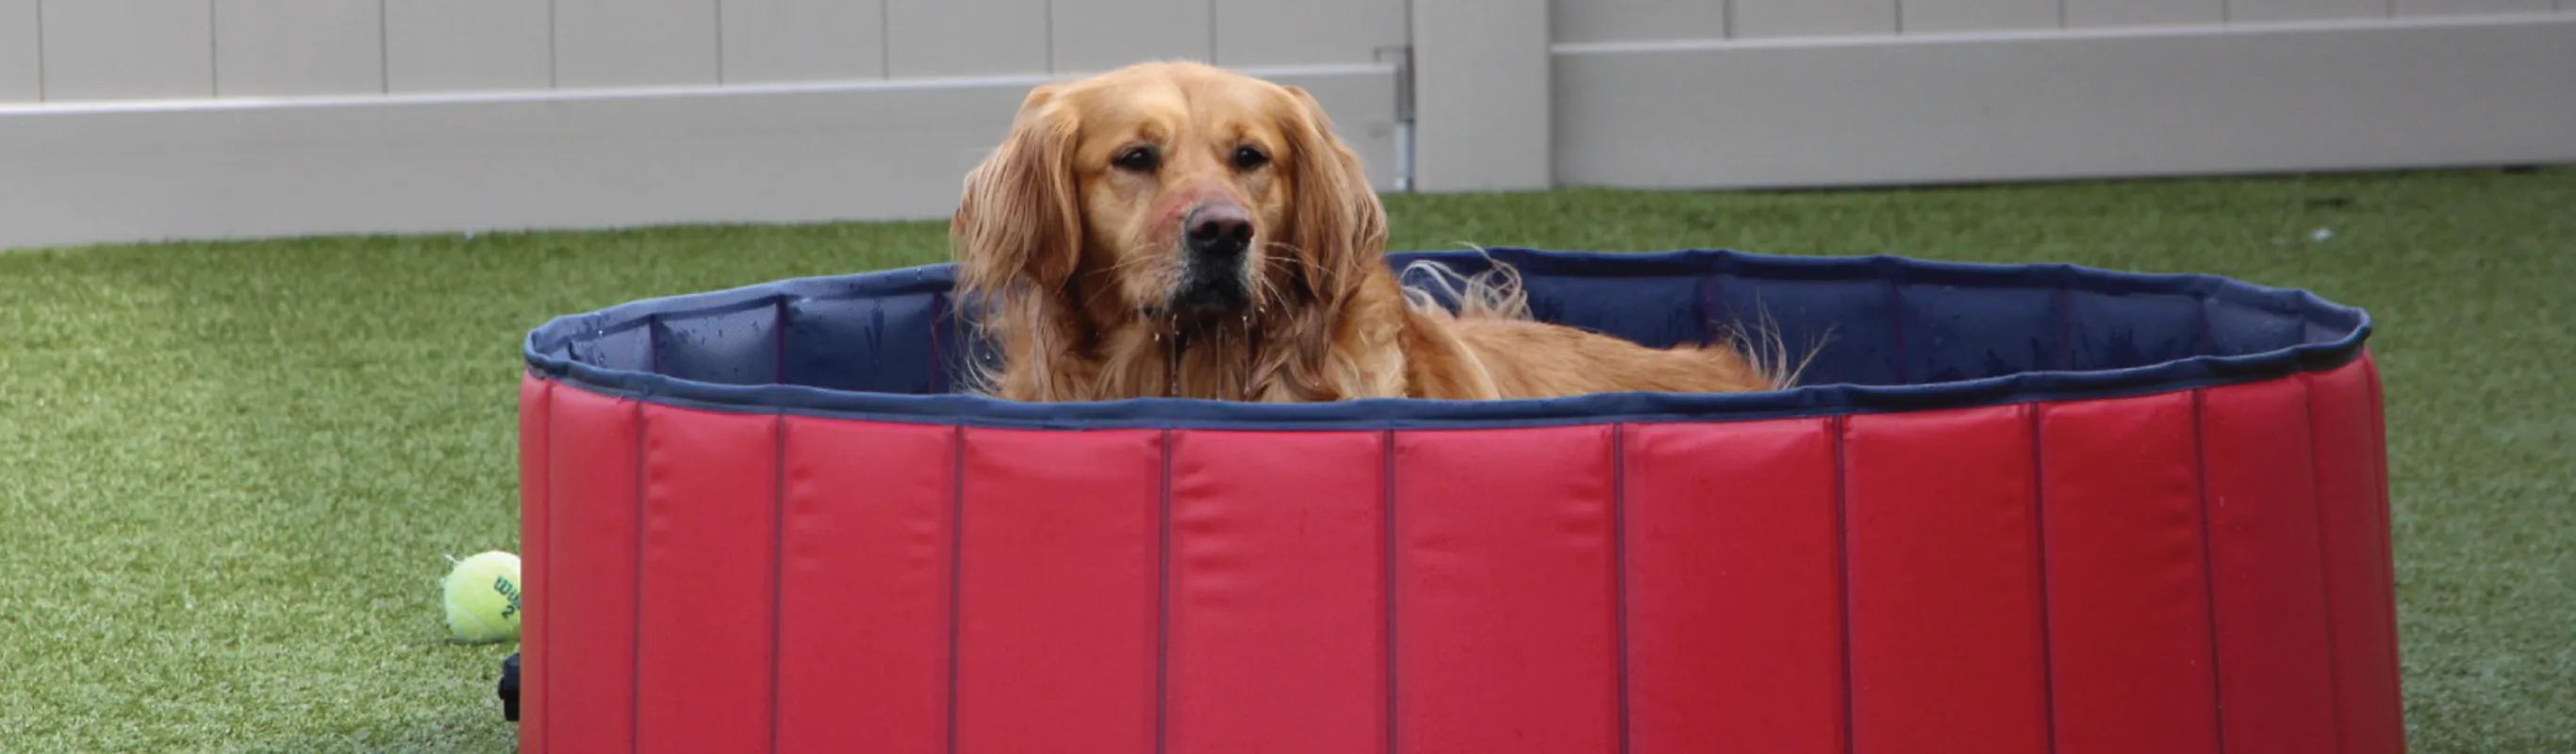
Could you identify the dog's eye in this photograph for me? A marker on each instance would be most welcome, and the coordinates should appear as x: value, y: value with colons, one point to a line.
x: 1139, y: 159
x: 1247, y: 158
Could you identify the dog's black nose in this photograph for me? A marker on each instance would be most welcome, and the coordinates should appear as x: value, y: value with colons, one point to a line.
x: 1219, y: 230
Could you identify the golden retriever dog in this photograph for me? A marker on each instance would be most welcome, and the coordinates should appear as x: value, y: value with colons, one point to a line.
x: 1173, y: 229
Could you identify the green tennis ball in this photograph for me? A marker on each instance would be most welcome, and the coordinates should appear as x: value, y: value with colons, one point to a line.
x: 483, y: 598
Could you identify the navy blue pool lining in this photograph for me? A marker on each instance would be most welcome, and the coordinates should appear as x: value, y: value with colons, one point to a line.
x: 542, y: 346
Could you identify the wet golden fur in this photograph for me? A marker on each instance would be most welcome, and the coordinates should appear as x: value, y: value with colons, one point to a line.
x: 1075, y: 256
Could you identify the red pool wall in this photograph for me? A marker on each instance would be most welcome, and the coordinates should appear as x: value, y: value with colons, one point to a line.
x: 2198, y: 571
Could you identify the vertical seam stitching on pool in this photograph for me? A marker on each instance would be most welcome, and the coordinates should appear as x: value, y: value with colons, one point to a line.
x: 777, y: 562
x: 653, y: 343
x: 1839, y: 426
x: 635, y: 662
x: 938, y: 303
x: 2209, y: 565
x: 2200, y: 323
x: 1386, y: 469
x: 1700, y: 294
x: 1163, y: 606
x: 2065, y: 325
x: 545, y: 729
x: 956, y: 572
x: 1896, y: 330
x: 2387, y: 535
x: 1619, y: 572
x: 2039, y: 540
x: 2325, y: 555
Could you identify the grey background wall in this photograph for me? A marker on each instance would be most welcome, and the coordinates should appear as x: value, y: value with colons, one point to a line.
x: 136, y: 120
x: 1856, y: 92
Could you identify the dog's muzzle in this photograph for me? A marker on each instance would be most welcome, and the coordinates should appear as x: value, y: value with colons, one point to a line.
x: 1214, y: 277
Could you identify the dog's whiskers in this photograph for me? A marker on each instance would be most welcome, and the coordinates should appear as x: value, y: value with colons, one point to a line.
x: 1265, y: 289
x: 1121, y: 266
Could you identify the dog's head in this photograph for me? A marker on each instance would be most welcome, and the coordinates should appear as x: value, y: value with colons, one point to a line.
x: 1166, y: 195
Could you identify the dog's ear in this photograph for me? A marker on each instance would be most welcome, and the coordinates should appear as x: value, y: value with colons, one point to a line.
x: 1017, y: 226
x: 1338, y: 226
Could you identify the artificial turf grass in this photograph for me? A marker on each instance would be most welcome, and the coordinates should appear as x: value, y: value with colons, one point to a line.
x: 228, y: 471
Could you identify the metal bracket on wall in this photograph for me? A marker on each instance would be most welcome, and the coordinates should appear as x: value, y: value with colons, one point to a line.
x: 1403, y: 58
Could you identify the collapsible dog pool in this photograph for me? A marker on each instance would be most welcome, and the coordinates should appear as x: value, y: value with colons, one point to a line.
x: 2014, y: 509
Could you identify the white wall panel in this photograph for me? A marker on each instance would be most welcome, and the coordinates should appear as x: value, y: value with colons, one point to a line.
x: 128, y: 49
x: 1800, y: 18
x: 1898, y: 111
x: 2469, y: 7
x: 2092, y: 13
x: 1977, y: 15
x: 1306, y: 32
x: 1361, y: 104
x: 466, y: 45
x: 803, y: 40
x: 1579, y: 21
x: 966, y: 37
x: 635, y: 43
x: 1096, y: 35
x: 505, y: 162
x: 2304, y: 10
x: 2450, y: 83
x: 299, y: 47
x: 22, y: 66
x: 1482, y: 107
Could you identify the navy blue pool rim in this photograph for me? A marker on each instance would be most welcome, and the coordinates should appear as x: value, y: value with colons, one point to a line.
x: 2320, y: 335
